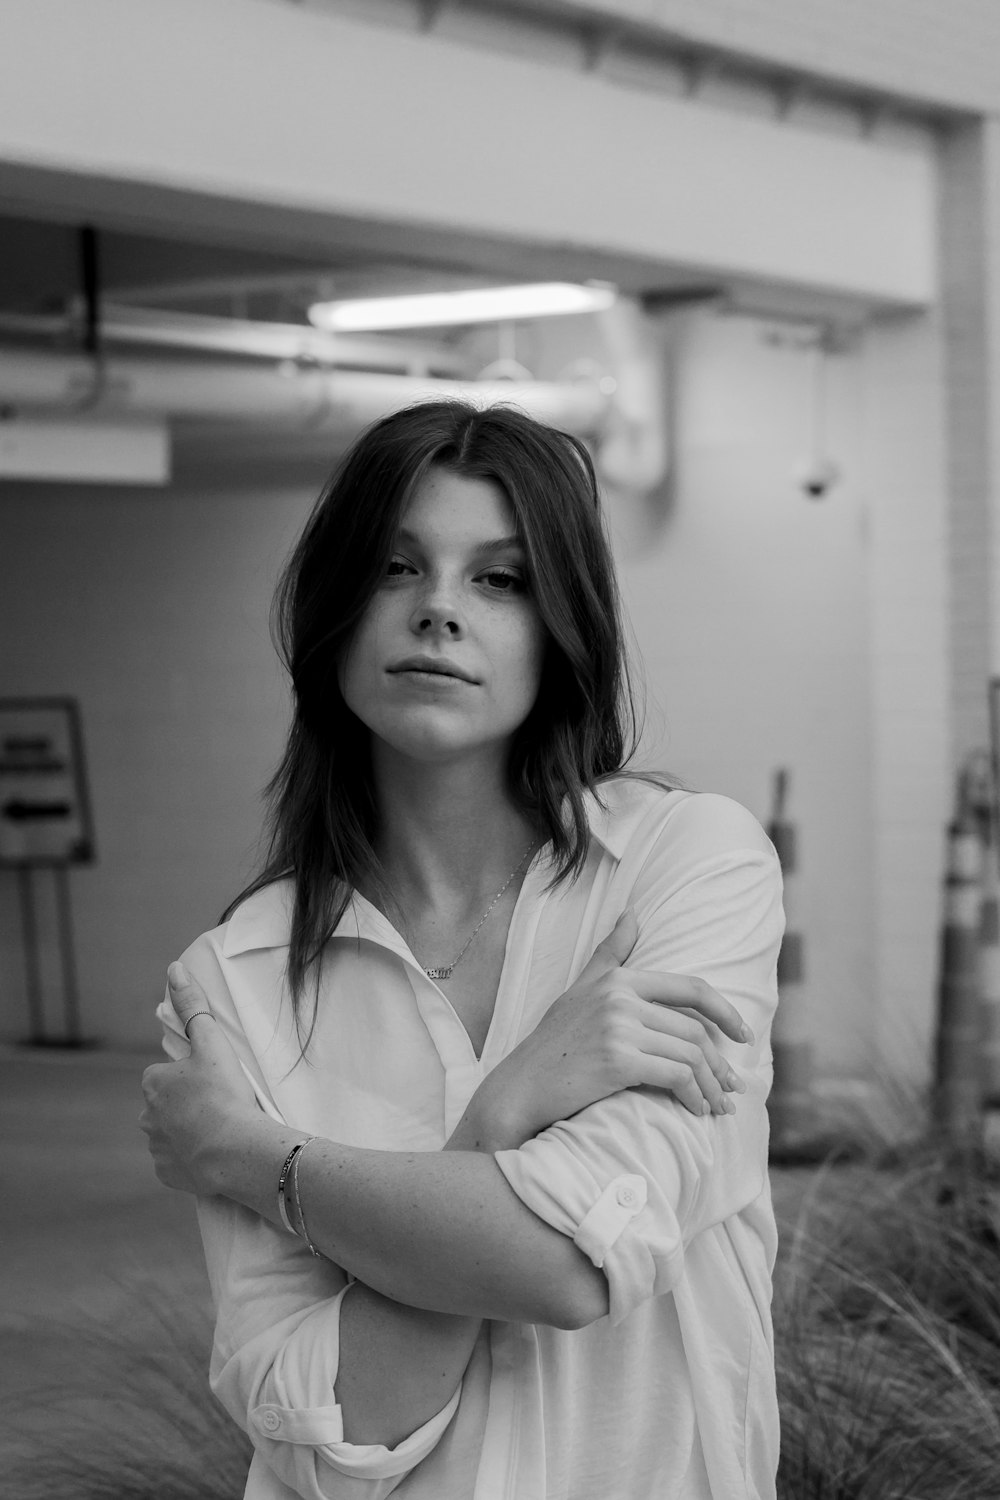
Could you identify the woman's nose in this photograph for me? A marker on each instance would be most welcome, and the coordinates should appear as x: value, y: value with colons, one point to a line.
x: 437, y: 610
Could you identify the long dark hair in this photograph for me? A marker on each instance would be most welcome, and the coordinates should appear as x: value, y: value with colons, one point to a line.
x: 321, y: 803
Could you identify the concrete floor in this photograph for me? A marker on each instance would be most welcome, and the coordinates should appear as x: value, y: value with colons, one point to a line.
x: 84, y: 1206
x: 105, y: 1318
x: 85, y: 1219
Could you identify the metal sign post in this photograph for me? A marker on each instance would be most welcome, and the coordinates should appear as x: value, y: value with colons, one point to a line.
x: 45, y: 824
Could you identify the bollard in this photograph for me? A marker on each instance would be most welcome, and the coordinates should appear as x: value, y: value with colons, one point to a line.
x: 989, y: 973
x: 960, y: 1060
x: 989, y: 926
x: 792, y: 1105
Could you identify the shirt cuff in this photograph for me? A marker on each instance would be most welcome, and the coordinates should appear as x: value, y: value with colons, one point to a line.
x: 322, y: 1430
x: 287, y: 1428
x: 608, y: 1217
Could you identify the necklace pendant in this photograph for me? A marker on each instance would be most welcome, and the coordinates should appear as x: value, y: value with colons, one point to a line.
x: 445, y: 971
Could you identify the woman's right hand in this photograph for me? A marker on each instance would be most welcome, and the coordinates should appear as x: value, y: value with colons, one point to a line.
x: 615, y: 1028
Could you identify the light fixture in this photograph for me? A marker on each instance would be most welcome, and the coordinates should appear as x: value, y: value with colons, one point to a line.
x: 479, y: 305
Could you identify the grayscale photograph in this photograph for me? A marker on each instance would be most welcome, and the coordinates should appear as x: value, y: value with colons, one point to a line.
x: 500, y: 749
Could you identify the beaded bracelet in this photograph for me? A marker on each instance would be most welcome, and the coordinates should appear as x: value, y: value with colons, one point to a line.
x: 296, y: 1200
x: 283, y: 1182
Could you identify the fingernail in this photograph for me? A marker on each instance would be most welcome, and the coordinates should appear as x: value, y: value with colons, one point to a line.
x: 736, y: 1082
x: 746, y: 1033
x: 177, y: 976
x: 706, y: 1108
x: 729, y: 1105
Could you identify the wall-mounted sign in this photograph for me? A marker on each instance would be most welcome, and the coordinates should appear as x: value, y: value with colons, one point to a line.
x: 44, y: 806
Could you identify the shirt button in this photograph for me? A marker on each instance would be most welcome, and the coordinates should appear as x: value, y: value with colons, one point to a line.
x: 627, y: 1196
x: 271, y: 1421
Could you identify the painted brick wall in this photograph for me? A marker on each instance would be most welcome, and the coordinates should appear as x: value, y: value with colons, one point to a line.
x: 911, y: 739
x: 750, y: 604
x: 966, y: 398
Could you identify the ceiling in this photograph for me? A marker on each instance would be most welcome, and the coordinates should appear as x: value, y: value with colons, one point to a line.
x: 196, y: 273
x: 42, y: 274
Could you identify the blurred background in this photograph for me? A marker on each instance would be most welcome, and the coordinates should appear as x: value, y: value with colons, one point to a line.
x: 781, y: 222
x: 762, y: 240
x: 790, y: 403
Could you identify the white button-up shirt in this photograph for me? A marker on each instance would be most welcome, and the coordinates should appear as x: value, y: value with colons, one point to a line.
x: 669, y: 1397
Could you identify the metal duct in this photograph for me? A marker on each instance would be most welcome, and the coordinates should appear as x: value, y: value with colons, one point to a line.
x: 635, y: 450
x: 153, y: 328
x: 319, y: 400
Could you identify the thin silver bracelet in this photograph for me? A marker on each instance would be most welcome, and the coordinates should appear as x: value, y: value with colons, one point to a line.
x: 295, y: 1198
x: 283, y: 1185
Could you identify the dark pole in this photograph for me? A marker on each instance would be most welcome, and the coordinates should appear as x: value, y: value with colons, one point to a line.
x: 31, y: 964
x: 90, y: 279
x: 71, y: 998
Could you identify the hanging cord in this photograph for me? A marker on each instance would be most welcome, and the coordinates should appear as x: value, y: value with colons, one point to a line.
x: 90, y: 279
x: 90, y: 285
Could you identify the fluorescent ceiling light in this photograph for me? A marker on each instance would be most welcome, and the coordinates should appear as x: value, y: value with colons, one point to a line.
x: 481, y: 305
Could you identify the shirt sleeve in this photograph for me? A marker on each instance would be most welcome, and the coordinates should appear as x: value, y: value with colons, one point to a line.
x: 276, y: 1349
x: 635, y: 1177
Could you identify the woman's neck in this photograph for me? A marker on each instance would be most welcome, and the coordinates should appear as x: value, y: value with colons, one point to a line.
x: 447, y: 833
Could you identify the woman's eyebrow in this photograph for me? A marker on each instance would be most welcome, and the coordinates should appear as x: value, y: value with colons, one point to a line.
x: 489, y: 548
x: 512, y: 543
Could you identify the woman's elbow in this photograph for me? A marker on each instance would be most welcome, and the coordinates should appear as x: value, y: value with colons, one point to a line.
x: 581, y: 1299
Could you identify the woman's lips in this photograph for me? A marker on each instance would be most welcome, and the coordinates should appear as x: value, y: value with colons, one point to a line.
x: 426, y: 668
x: 427, y: 678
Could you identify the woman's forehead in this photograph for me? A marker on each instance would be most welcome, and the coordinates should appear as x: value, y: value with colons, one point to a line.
x: 445, y: 505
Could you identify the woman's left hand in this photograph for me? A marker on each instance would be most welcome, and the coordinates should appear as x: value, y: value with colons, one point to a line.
x: 615, y: 1028
x: 195, y: 1103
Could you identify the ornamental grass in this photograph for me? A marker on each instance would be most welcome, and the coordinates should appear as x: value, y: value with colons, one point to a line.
x: 887, y: 1331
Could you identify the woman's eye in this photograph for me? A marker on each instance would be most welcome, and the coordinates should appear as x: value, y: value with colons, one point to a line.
x: 397, y: 568
x: 504, y: 583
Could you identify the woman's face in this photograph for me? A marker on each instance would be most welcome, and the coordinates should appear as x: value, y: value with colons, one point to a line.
x: 446, y: 660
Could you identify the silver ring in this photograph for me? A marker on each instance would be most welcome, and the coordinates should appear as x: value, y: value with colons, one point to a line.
x: 187, y: 1023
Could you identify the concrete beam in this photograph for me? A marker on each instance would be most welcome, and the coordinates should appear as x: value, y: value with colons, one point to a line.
x: 251, y: 113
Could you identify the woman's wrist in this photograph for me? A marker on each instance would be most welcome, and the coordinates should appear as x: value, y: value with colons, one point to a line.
x: 243, y: 1161
x: 492, y: 1122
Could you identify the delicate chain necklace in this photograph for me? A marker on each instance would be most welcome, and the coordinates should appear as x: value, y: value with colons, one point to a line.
x: 445, y: 971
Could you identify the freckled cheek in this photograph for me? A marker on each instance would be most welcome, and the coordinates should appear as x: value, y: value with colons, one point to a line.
x: 526, y: 658
x: 361, y: 661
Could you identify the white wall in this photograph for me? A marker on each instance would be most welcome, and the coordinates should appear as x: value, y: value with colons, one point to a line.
x: 749, y: 601
x: 151, y: 608
x: 749, y: 606
x: 914, y: 726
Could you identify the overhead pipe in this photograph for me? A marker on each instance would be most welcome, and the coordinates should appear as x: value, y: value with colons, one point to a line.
x: 625, y: 409
x: 309, y: 398
x: 635, y: 450
x: 155, y: 328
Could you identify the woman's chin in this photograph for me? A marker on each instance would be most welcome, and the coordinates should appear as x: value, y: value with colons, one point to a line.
x: 441, y: 745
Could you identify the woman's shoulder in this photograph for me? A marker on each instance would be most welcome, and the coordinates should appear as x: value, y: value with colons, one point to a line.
x: 645, y: 809
x: 260, y: 919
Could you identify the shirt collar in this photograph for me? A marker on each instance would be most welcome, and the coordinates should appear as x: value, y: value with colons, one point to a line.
x: 264, y: 920
x: 609, y: 819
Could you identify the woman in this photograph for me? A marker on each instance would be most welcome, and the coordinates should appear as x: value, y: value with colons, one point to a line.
x: 525, y: 1250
